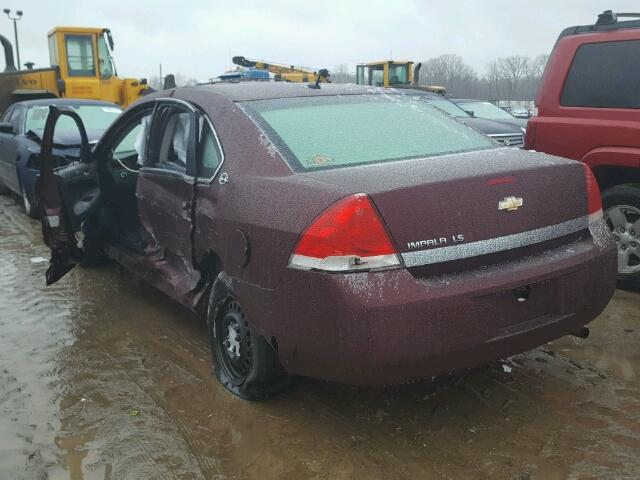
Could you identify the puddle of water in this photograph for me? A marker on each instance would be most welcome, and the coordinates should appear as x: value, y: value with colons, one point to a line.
x: 78, y: 357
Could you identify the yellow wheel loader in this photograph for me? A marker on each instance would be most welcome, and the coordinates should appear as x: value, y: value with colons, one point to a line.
x: 81, y: 66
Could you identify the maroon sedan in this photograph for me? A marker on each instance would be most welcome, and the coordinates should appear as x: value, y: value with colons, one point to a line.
x: 344, y: 233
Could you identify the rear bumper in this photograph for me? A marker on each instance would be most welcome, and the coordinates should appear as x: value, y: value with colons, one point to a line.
x: 391, y: 327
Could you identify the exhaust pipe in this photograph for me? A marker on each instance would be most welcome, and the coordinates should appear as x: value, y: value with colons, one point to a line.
x: 416, y: 73
x: 582, y: 333
x: 10, y: 66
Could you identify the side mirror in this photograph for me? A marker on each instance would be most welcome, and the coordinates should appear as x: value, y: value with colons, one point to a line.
x: 6, y: 127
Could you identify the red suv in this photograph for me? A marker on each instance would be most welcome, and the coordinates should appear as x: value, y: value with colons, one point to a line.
x: 589, y: 110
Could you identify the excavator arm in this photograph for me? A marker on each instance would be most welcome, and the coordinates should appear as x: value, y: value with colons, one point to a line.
x: 289, y: 73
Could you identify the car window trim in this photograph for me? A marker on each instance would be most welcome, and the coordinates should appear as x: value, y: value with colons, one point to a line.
x: 209, y: 180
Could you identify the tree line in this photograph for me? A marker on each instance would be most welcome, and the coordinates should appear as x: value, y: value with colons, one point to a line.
x: 515, y: 77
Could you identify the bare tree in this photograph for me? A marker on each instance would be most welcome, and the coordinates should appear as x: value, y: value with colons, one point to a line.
x: 449, y: 71
x: 513, y: 69
x: 537, y: 66
x: 341, y: 74
x: 493, y: 80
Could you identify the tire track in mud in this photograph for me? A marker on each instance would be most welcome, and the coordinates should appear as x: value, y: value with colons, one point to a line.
x: 209, y: 466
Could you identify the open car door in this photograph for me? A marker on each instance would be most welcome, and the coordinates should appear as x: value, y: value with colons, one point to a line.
x: 66, y: 196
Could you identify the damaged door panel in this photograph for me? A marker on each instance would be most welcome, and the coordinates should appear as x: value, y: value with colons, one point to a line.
x: 66, y: 197
x: 165, y: 193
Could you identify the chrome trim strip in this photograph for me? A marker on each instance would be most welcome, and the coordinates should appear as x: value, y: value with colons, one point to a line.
x: 499, y: 135
x: 493, y: 245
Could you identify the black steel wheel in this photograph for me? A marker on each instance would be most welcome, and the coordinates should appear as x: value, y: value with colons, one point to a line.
x: 245, y: 363
x: 235, y: 338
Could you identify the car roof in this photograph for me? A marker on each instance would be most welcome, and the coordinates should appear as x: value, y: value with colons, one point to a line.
x: 68, y: 102
x: 261, y: 90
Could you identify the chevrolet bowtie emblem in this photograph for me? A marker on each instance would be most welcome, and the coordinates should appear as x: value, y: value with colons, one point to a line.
x: 510, y: 204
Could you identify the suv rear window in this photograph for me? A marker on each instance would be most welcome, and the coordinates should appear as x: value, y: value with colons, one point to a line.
x: 604, y: 75
x: 340, y: 131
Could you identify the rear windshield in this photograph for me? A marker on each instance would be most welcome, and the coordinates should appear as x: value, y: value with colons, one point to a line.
x: 486, y: 110
x: 340, y: 131
x: 94, y: 117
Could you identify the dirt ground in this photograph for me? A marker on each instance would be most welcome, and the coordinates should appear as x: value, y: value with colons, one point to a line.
x: 102, y: 377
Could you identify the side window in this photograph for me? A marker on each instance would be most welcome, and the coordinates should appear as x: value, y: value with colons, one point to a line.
x: 170, y: 144
x: 80, y: 55
x: 604, y: 75
x: 7, y: 114
x: 17, y: 119
x: 210, y: 156
x: 106, y: 67
x: 131, y: 146
x: 14, y: 116
x: 53, y: 51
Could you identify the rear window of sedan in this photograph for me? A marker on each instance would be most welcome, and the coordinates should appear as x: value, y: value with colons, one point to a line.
x: 338, y: 131
x: 94, y: 117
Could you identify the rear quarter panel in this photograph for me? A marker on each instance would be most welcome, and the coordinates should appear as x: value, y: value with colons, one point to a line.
x: 264, y: 202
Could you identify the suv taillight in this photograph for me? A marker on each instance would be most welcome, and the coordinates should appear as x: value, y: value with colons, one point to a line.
x: 594, y: 201
x: 530, y: 136
x: 347, y: 236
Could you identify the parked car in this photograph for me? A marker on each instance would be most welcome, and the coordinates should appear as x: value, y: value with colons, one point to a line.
x: 520, y: 112
x: 482, y: 109
x: 21, y: 131
x: 247, y: 74
x: 505, y: 134
x: 588, y: 110
x: 342, y: 232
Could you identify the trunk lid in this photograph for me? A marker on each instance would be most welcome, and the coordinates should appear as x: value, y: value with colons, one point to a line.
x: 459, y: 206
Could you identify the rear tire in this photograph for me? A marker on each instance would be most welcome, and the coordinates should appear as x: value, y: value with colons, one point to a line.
x: 245, y: 363
x: 621, y: 206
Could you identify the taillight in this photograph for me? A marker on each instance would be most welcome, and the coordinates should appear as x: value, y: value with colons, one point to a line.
x: 594, y: 201
x: 347, y: 236
x: 530, y: 136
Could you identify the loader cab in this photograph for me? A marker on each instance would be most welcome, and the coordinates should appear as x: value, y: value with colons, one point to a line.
x: 386, y: 74
x: 83, y: 57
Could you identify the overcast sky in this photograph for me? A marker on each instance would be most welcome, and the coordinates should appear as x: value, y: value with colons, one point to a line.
x: 198, y: 38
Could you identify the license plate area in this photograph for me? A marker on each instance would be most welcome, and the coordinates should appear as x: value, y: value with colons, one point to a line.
x: 526, y: 302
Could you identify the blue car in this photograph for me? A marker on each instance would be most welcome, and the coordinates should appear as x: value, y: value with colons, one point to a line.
x: 21, y: 129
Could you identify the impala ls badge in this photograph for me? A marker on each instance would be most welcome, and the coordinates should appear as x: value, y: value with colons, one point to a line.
x: 510, y: 204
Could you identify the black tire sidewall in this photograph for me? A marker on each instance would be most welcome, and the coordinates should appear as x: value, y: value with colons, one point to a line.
x: 262, y: 380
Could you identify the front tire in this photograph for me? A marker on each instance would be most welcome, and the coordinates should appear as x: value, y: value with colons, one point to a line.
x: 245, y: 363
x: 29, y: 208
x: 621, y: 206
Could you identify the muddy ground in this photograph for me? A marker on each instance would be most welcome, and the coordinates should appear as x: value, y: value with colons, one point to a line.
x: 102, y: 377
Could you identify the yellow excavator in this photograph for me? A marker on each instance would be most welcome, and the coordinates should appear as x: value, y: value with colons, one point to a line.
x: 285, y: 73
x: 393, y: 74
x: 81, y: 66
